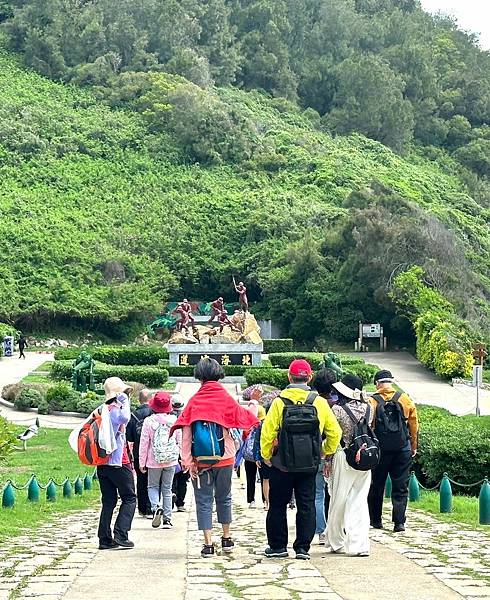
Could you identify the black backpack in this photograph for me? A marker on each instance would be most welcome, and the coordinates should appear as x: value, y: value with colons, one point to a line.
x: 299, y: 437
x: 363, y: 452
x: 391, y: 423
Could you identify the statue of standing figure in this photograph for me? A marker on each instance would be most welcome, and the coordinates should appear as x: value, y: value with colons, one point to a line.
x: 216, y: 308
x: 184, y: 309
x: 242, y: 295
x: 83, y: 373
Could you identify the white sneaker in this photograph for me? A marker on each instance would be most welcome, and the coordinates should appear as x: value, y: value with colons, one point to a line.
x: 322, y: 538
x: 251, y: 505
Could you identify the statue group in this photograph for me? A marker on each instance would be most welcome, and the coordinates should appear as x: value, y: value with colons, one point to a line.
x: 82, y: 378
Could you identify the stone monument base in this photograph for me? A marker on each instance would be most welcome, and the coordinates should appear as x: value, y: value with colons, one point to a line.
x: 226, y: 354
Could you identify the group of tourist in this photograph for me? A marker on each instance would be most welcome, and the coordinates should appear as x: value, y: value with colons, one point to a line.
x: 320, y: 443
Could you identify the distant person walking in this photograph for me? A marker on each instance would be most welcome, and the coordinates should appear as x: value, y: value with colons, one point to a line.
x: 348, y: 516
x: 116, y: 477
x: 159, y: 454
x: 208, y: 449
x: 133, y: 434
x: 181, y: 477
x: 396, y: 427
x: 291, y: 444
x: 22, y: 346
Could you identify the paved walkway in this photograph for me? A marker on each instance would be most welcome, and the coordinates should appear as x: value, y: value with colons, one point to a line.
x: 427, y: 388
x: 431, y: 561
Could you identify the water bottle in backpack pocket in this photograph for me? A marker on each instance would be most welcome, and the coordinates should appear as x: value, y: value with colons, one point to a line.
x: 208, y: 442
x: 391, y: 424
x: 299, y: 437
x: 165, y: 448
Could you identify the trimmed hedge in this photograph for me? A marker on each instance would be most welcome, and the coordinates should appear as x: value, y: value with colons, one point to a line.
x: 151, y: 376
x: 278, y: 345
x: 277, y: 378
x: 284, y: 359
x: 459, y: 446
x: 188, y: 371
x: 117, y: 355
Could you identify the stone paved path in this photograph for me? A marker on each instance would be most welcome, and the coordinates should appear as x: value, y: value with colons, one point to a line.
x: 427, y: 388
x: 431, y: 561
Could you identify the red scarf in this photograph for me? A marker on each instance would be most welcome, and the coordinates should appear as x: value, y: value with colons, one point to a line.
x: 213, y: 403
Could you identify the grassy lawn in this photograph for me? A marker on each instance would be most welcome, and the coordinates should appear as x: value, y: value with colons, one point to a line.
x: 47, y: 455
x: 45, y: 366
x: 465, y: 509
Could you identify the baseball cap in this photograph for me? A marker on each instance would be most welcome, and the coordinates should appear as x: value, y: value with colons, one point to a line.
x: 383, y: 376
x: 300, y: 368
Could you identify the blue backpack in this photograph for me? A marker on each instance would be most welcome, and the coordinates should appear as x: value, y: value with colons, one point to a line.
x: 249, y: 446
x: 208, y: 443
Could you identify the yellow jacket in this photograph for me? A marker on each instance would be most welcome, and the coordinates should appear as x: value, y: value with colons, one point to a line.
x: 329, y: 426
x: 409, y: 410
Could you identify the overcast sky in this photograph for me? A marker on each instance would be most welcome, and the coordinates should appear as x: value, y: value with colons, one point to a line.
x: 472, y: 15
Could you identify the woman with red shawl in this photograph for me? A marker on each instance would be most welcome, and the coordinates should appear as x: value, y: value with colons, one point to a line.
x: 212, y: 404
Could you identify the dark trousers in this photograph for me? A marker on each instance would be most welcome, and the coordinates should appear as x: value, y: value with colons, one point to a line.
x: 144, y: 506
x: 397, y: 465
x: 21, y: 353
x: 282, y: 486
x: 179, y: 487
x: 251, y: 473
x: 116, y: 481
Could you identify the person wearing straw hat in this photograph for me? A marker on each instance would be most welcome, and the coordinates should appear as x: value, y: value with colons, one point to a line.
x: 348, y: 516
x: 116, y: 477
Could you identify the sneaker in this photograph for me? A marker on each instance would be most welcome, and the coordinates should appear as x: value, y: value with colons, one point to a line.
x: 167, y: 524
x: 292, y: 505
x: 124, y: 543
x: 157, y: 518
x: 302, y: 554
x: 227, y: 544
x: 399, y: 527
x: 276, y: 553
x: 322, y: 538
x: 142, y: 514
x: 181, y: 509
x: 109, y: 546
x: 149, y: 515
x: 252, y: 504
x: 207, y: 551
x: 360, y: 554
x: 377, y: 525
x: 174, y: 499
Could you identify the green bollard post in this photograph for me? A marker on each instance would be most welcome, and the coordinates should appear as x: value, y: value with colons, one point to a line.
x: 484, y: 503
x: 51, y: 492
x: 87, y: 482
x: 413, y: 488
x: 78, y: 486
x: 388, y: 487
x: 8, y: 496
x: 33, y: 490
x: 445, y: 495
x: 67, y: 489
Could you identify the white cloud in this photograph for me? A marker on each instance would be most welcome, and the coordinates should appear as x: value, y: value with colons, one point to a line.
x: 472, y: 15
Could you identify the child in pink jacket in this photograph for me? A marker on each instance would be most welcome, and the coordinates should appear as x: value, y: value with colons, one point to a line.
x: 159, y: 453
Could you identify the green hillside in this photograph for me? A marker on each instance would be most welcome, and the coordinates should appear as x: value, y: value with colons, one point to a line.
x: 104, y: 218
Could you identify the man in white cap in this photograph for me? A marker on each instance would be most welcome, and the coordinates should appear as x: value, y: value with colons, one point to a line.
x: 116, y: 477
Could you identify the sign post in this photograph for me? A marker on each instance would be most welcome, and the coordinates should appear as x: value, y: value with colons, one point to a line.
x: 479, y: 354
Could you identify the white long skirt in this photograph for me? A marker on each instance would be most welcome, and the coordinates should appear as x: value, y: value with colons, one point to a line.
x: 348, y: 515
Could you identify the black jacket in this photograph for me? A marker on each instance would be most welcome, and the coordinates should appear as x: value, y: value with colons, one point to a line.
x: 140, y: 414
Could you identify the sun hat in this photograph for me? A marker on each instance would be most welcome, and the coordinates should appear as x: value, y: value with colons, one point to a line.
x: 350, y: 386
x: 300, y: 368
x: 383, y: 376
x: 161, y: 403
x: 114, y: 386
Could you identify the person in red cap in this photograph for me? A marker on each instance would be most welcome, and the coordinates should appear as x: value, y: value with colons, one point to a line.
x: 159, y: 454
x: 293, y: 453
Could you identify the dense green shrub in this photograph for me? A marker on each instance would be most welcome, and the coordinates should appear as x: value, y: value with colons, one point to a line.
x: 365, y: 371
x: 278, y: 345
x: 152, y: 376
x: 7, y: 439
x: 117, y: 355
x: 43, y: 407
x: 28, y: 398
x: 62, y: 397
x: 277, y: 378
x: 88, y: 402
x: 459, y: 446
x: 284, y: 359
x: 12, y: 390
